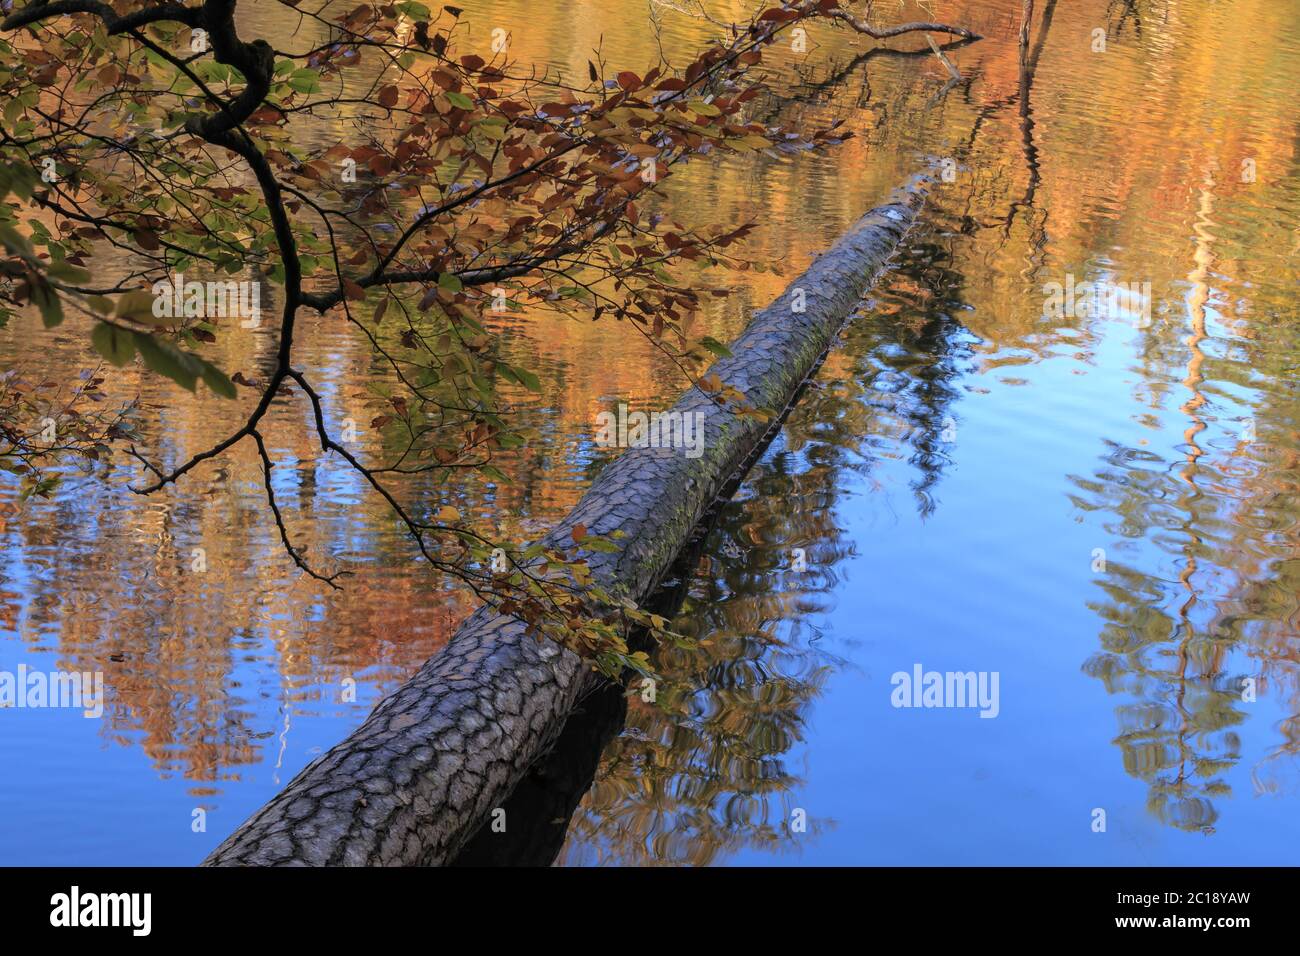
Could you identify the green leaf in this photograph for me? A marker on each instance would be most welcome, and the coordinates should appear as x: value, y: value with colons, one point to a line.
x: 716, y: 347
x: 15, y: 243
x: 47, y: 300
x: 68, y: 273
x: 136, y: 304
x: 166, y: 359
x: 114, y: 343
x: 305, y: 81
x: 12, y: 111
x: 216, y: 380
x: 530, y: 380
x: 18, y: 179
x: 491, y: 130
x: 460, y: 100
x: 450, y: 281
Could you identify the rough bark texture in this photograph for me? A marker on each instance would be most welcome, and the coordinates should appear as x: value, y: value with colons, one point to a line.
x: 415, y: 782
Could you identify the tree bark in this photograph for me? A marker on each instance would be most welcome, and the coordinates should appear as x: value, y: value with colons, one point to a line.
x: 415, y: 782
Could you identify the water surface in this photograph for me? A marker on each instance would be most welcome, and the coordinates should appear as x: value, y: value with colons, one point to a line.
x: 950, y: 479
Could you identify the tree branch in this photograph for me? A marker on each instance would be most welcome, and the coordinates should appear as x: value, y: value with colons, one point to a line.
x: 884, y: 33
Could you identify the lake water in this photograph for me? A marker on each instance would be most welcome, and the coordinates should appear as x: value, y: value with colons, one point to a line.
x: 1098, y: 506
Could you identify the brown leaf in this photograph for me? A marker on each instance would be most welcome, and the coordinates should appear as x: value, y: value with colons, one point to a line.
x: 146, y: 239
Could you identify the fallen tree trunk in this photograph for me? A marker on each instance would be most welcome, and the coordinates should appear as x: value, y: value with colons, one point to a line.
x: 415, y: 782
